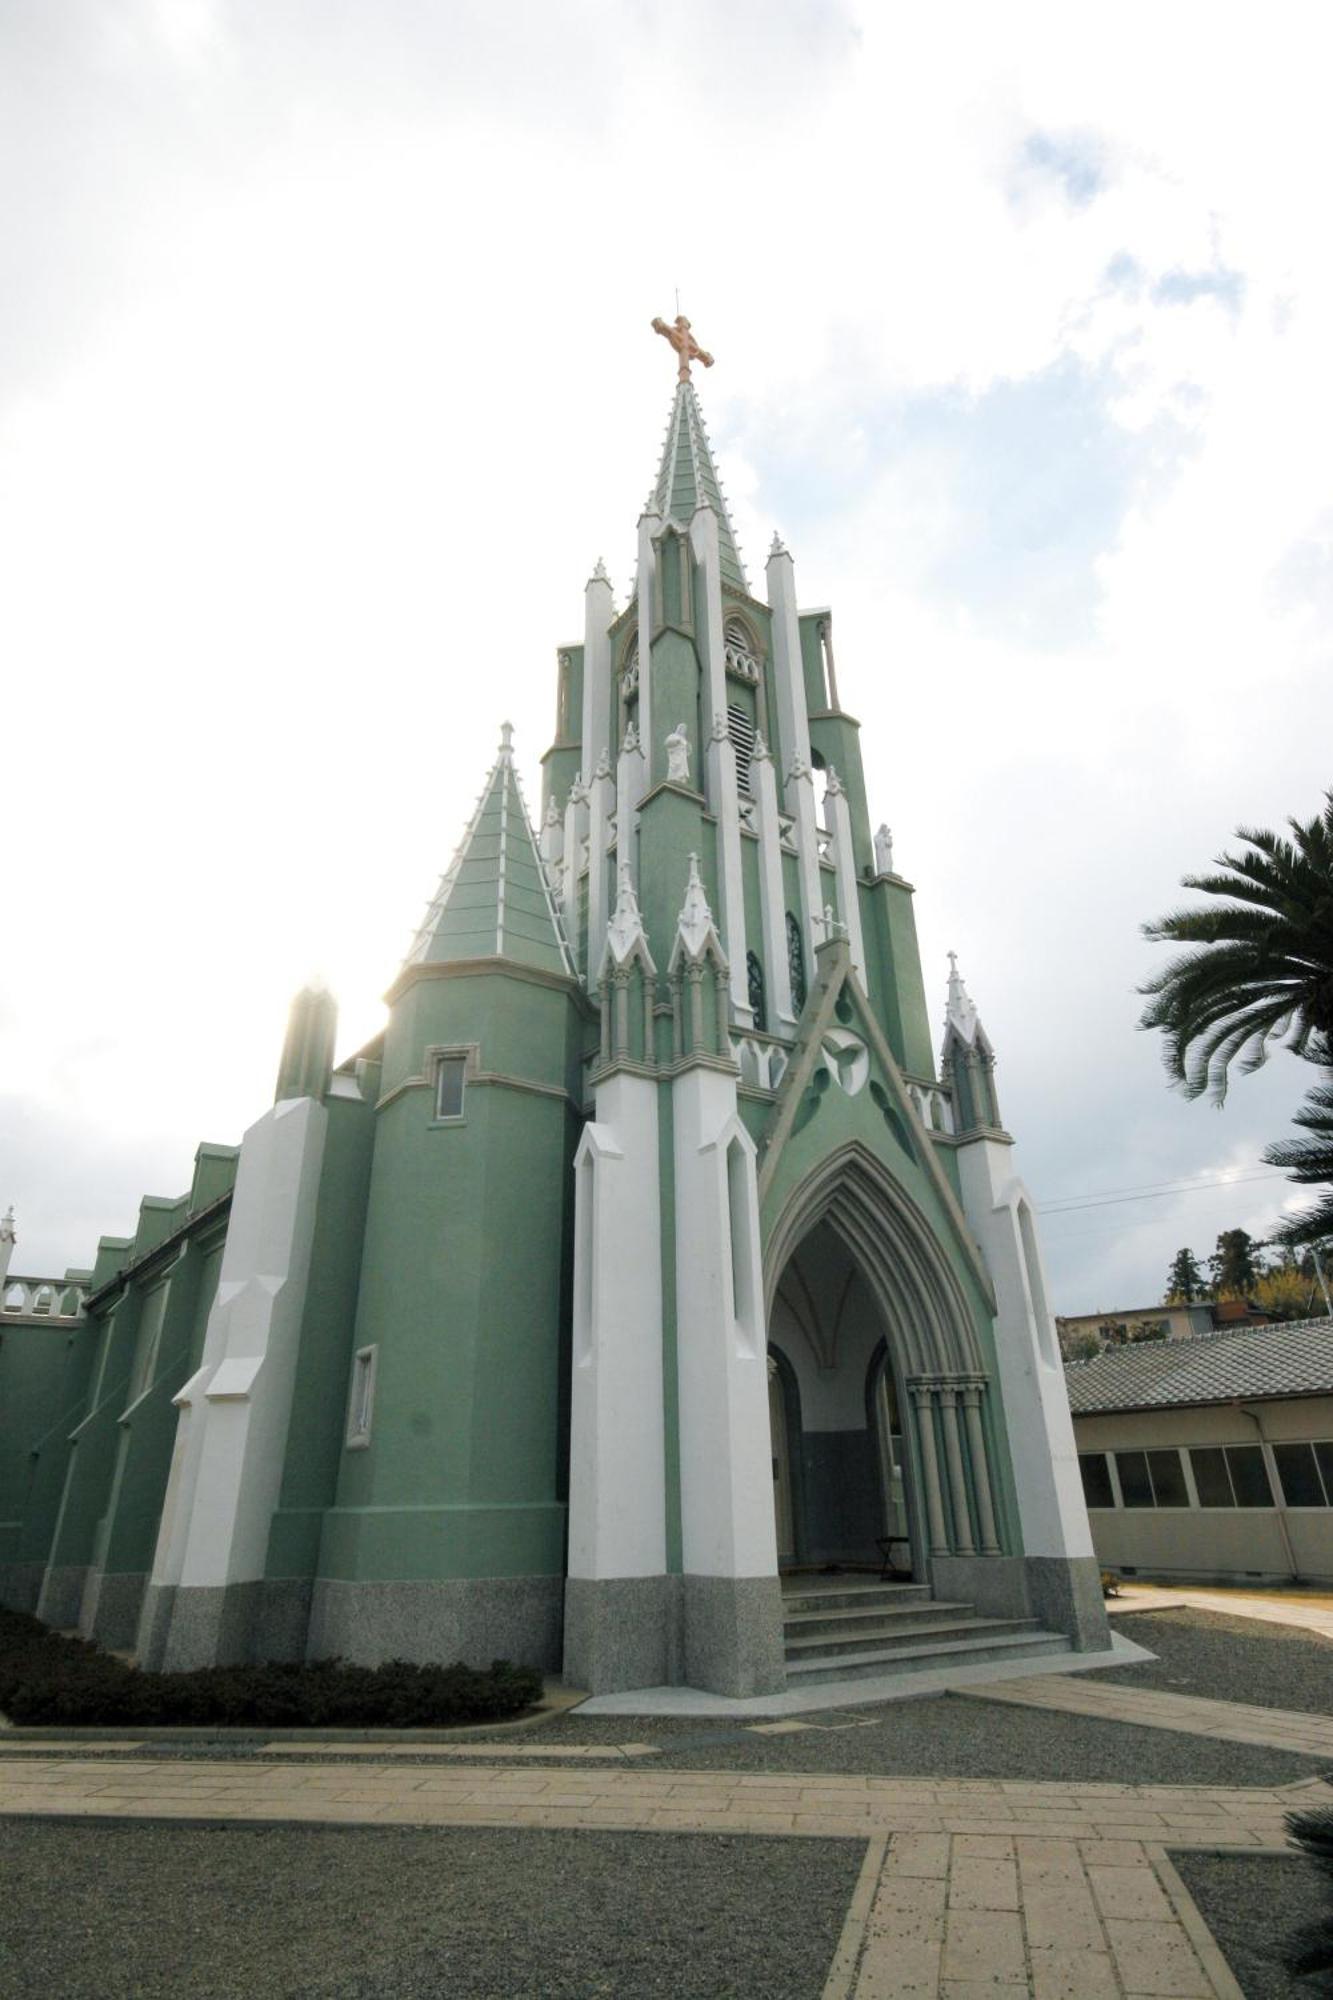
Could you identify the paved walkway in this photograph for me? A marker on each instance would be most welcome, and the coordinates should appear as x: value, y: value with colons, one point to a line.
x: 1153, y: 1708
x: 1312, y: 1613
x: 1062, y: 1891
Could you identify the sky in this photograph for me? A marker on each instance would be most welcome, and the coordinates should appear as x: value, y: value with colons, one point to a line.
x: 326, y: 377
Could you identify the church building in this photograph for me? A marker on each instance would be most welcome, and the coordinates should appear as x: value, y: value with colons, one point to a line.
x: 647, y: 1302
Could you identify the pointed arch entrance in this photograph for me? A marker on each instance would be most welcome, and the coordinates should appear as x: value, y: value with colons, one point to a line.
x: 879, y: 1378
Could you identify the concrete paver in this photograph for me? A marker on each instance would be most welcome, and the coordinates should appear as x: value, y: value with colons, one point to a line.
x: 1059, y: 1891
x: 1154, y: 1708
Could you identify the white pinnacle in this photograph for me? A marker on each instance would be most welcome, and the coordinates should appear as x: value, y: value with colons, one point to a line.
x: 960, y: 1013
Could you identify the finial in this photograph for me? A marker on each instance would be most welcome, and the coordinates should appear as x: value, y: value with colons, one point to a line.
x: 683, y: 341
x: 625, y: 931
x: 721, y: 728
x: 960, y: 1012
x: 7, y: 1230
x: 631, y: 742
x: 884, y: 853
x: 599, y: 574
x: 552, y: 811
x: 760, y: 753
x: 833, y: 783
x: 603, y: 764
x: 779, y: 547
x: 506, y: 739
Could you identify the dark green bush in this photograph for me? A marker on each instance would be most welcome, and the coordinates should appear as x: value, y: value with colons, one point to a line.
x: 49, y: 1677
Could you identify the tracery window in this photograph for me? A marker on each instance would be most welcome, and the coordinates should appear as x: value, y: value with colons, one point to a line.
x: 796, y: 962
x: 739, y: 651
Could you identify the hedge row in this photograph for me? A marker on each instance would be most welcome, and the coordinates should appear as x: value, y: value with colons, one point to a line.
x: 49, y: 1677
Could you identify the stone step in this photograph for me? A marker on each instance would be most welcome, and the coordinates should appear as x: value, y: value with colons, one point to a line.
x: 800, y: 1624
x: 929, y: 1658
x: 881, y: 1639
x: 853, y: 1596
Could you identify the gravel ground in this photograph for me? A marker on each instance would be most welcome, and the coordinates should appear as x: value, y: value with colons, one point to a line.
x: 950, y: 1738
x: 1229, y: 1659
x: 1254, y: 1905
x: 134, y: 1912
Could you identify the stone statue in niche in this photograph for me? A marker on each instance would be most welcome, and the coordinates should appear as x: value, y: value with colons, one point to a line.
x: 678, y: 756
x: 884, y: 851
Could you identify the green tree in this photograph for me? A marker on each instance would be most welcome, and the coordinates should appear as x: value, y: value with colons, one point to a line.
x: 1185, y: 1281
x: 1311, y: 1162
x: 1260, y: 967
x: 1235, y: 1265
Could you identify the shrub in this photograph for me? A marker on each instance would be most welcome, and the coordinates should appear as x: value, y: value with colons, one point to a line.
x: 49, y: 1677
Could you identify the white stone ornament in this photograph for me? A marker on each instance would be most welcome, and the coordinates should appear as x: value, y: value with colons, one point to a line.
x: 678, y: 756
x: 761, y: 754
x: 848, y: 1059
x: 833, y: 785
x: 720, y: 728
x: 552, y: 812
x: 883, y: 851
x: 696, y: 919
x: 625, y: 932
x: 631, y: 743
x: 960, y: 1013
x: 798, y: 768
x: 603, y: 765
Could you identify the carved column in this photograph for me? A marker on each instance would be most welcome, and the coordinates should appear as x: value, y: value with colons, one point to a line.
x: 923, y: 1398
x: 953, y: 1453
x: 976, y: 1444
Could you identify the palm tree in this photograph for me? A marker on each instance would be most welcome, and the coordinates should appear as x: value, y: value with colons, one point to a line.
x: 1262, y: 965
x: 1311, y: 1162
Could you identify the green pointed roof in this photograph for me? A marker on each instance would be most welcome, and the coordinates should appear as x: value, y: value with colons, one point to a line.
x: 687, y: 478
x: 494, y: 899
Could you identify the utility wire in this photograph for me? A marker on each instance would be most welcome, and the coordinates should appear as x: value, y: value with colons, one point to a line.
x: 1156, y: 1194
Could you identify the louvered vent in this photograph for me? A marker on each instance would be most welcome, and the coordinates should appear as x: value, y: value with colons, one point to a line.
x: 742, y: 737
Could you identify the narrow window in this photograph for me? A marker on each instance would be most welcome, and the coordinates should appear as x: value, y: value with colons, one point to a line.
x: 361, y: 1401
x: 741, y: 731
x: 796, y: 962
x: 449, y: 1077
x: 754, y: 978
x: 1096, y: 1479
x: 738, y: 1217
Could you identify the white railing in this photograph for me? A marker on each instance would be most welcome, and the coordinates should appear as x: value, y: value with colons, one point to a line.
x: 762, y: 1063
x: 934, y: 1106
x: 47, y: 1298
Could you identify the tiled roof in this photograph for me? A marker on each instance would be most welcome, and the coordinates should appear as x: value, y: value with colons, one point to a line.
x: 687, y: 478
x: 1291, y: 1359
x: 494, y: 899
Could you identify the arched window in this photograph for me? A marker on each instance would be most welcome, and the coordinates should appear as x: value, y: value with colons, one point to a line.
x: 754, y: 976
x: 796, y: 962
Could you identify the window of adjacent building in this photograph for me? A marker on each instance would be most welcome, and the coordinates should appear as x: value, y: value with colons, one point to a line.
x: 1231, y: 1476
x: 1306, y: 1473
x: 1151, y: 1479
x: 1097, y: 1489
x: 1135, y: 1481
x: 361, y: 1401
x: 450, y: 1074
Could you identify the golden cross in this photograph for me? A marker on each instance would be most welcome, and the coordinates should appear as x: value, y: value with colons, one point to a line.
x: 686, y: 346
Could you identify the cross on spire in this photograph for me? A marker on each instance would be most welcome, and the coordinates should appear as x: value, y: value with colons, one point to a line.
x: 686, y: 346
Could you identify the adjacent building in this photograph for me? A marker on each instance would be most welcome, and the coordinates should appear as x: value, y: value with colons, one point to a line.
x: 1211, y: 1459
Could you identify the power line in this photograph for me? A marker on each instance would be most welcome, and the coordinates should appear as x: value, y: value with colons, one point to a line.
x: 1158, y: 1194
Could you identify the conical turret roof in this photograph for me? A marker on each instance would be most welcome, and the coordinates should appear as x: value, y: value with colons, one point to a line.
x: 687, y: 478
x: 494, y: 899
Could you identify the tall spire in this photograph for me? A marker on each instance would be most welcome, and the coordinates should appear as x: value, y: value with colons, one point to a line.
x: 687, y: 478
x: 494, y: 898
x: 960, y: 1011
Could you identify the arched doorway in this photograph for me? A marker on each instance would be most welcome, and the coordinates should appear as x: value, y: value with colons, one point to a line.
x: 840, y: 1474
x: 868, y: 1316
